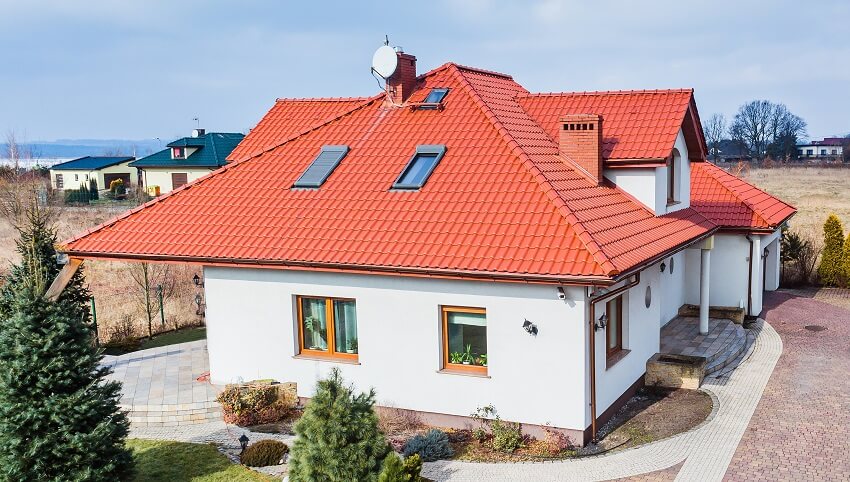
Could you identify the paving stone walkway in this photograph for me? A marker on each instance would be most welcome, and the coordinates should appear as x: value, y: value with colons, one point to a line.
x: 705, y: 450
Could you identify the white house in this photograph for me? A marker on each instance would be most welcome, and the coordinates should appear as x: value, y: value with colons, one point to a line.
x: 830, y: 148
x: 185, y: 160
x: 457, y: 241
x: 103, y: 169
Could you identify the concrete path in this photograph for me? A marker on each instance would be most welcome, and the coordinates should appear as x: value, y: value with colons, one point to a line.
x: 705, y: 450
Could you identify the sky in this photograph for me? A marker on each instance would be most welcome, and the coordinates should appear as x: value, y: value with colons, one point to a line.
x: 111, y: 69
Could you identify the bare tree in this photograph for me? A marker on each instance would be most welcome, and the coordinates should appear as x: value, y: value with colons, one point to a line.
x: 148, y: 279
x: 714, y: 130
x: 19, y: 191
x: 764, y: 128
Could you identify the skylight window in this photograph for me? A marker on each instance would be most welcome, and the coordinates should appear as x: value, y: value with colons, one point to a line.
x: 436, y: 96
x: 420, y: 166
x: 321, y: 167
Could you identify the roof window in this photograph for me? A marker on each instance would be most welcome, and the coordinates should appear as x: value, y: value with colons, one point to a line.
x: 434, y: 98
x: 321, y: 167
x: 420, y: 166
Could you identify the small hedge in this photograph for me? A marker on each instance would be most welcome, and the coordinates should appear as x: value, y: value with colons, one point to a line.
x: 255, y: 404
x: 264, y: 453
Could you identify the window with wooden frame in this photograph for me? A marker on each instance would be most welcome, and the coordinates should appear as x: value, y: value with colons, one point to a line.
x: 327, y: 327
x: 614, y: 331
x: 60, y: 181
x: 464, y: 339
x: 671, y: 179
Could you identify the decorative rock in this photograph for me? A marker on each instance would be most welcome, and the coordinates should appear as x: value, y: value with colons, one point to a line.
x: 675, y: 371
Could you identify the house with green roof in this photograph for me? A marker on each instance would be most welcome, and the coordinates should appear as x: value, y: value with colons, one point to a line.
x: 103, y: 169
x: 185, y: 160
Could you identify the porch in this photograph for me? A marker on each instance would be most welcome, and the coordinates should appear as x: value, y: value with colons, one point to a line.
x: 723, y: 346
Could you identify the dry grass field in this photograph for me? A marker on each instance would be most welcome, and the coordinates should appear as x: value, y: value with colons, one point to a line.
x: 814, y: 191
x: 117, y: 297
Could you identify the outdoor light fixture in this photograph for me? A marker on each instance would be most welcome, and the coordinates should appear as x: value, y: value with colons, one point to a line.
x: 663, y: 266
x: 561, y: 294
x: 198, y: 301
x: 243, y: 441
x: 600, y: 323
x: 196, y: 279
x: 530, y: 328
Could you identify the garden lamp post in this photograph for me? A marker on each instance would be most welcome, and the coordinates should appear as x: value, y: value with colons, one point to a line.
x: 243, y: 441
x: 161, y: 307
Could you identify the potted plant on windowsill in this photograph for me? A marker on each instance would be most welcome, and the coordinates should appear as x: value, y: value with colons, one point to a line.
x: 314, y: 339
x: 456, y: 358
x: 467, y: 355
x: 481, y: 360
x: 351, y: 346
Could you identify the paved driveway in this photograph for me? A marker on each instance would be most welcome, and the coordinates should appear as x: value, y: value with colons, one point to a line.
x: 801, y: 428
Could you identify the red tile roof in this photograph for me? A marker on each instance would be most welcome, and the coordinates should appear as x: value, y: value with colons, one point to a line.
x: 640, y: 124
x: 501, y: 203
x: 731, y: 202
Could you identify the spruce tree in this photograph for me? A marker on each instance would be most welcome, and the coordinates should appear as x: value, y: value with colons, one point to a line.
x: 59, y: 418
x: 93, y: 194
x: 338, y: 436
x: 831, y: 267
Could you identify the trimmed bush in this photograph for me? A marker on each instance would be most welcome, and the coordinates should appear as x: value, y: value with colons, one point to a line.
x: 432, y: 446
x: 831, y: 267
x: 338, y: 436
x: 93, y: 194
x: 264, y: 453
x: 394, y: 470
x: 246, y: 405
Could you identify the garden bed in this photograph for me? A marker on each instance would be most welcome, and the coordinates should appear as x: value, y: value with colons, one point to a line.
x: 182, y: 335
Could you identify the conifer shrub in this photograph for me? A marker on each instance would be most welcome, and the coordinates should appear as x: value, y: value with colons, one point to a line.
x: 845, y: 262
x: 338, y: 436
x: 264, y: 453
x: 432, y: 446
x: 93, y: 194
x: 831, y: 270
x: 59, y: 416
x: 396, y: 470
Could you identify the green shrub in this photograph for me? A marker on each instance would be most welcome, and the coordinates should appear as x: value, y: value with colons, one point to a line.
x: 246, y: 405
x: 338, y: 436
x: 506, y: 436
x: 394, y: 470
x: 93, y: 194
x: 831, y: 267
x: 264, y: 453
x: 432, y: 446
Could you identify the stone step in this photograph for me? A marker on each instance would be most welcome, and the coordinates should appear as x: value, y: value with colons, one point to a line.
x: 733, y: 348
x: 171, y: 415
x: 745, y: 353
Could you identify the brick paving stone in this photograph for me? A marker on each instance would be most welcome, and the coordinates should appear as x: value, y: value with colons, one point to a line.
x: 800, y: 428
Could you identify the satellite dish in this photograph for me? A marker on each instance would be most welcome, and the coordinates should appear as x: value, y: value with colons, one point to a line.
x: 385, y: 61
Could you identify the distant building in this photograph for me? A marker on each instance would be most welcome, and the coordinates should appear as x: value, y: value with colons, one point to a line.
x: 830, y: 148
x: 77, y: 172
x: 185, y: 160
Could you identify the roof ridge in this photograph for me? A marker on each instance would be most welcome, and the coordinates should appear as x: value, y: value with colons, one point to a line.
x: 481, y: 71
x: 582, y: 233
x: 320, y: 99
x: 218, y: 171
x: 608, y: 92
x: 713, y: 171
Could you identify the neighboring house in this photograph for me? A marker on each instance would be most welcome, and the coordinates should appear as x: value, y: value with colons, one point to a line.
x: 186, y: 159
x: 390, y: 235
x: 104, y: 169
x: 830, y: 149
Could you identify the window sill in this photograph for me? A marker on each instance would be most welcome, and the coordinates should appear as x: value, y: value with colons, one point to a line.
x: 328, y: 358
x: 465, y: 373
x: 673, y: 203
x: 616, y: 357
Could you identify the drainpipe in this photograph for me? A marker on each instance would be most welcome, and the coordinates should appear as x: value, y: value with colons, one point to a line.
x: 594, y: 298
x: 750, y: 280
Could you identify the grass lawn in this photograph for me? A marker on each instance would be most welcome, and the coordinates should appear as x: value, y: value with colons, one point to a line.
x: 158, y: 460
x: 170, y: 338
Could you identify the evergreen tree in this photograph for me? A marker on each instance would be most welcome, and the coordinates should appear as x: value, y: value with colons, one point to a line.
x: 845, y: 262
x: 338, y: 436
x: 831, y: 267
x: 59, y: 418
x: 93, y: 194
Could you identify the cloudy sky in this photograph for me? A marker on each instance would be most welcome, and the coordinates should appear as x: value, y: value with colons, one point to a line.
x: 138, y: 70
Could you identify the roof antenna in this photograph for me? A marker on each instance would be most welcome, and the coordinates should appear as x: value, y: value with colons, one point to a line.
x: 387, y: 40
x: 197, y: 122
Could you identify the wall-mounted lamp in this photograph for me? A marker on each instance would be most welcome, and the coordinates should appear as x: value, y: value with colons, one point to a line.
x: 198, y: 301
x: 561, y: 294
x: 600, y: 323
x: 530, y: 328
x: 197, y: 280
x: 766, y: 252
x: 663, y: 266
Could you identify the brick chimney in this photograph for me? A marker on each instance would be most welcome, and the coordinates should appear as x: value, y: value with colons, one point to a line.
x: 580, y: 140
x: 403, y: 81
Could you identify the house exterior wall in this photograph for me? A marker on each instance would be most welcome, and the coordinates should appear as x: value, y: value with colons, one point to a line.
x: 641, y: 336
x: 539, y: 379
x: 672, y: 286
x: 83, y: 176
x: 649, y: 184
x: 152, y: 176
